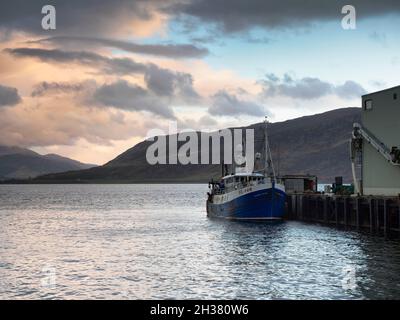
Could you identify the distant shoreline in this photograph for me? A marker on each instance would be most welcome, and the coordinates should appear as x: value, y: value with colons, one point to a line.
x: 26, y: 182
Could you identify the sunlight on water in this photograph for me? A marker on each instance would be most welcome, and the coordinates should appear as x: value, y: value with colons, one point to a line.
x: 155, y: 241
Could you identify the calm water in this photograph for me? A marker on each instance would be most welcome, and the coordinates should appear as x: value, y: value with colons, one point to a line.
x: 138, y: 241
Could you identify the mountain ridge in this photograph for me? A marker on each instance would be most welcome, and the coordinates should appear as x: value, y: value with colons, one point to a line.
x: 22, y: 163
x: 316, y: 144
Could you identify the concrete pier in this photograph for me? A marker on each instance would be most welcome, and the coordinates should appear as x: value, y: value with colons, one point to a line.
x: 378, y: 215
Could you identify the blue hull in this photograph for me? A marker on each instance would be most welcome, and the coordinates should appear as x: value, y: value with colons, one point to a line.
x: 258, y: 205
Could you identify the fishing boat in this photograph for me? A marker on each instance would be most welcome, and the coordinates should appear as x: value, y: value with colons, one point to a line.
x: 242, y: 195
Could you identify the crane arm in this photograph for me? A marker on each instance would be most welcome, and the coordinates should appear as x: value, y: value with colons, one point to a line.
x: 391, y: 155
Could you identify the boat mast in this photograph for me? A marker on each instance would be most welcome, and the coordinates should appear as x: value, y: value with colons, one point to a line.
x: 269, y: 170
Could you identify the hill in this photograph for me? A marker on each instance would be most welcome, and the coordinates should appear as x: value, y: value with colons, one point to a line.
x: 21, y: 163
x: 316, y: 144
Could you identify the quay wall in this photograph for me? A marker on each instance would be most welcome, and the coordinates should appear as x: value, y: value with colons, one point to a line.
x: 378, y: 215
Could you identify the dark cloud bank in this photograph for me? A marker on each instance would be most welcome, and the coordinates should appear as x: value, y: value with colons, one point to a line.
x: 308, y: 88
x: 104, y: 17
x: 45, y: 87
x: 178, y: 51
x: 162, y: 82
x: 238, y: 15
x: 124, y: 95
x: 9, y: 96
x: 163, y: 86
x: 76, y: 17
x: 91, y: 23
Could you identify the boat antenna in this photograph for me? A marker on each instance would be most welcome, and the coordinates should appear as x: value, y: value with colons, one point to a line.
x: 222, y: 161
x: 279, y: 160
x: 268, y: 166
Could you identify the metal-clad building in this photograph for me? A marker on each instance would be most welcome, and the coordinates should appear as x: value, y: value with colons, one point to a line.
x: 300, y: 183
x: 381, y: 117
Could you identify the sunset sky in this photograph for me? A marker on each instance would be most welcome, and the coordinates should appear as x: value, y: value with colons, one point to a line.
x: 113, y: 70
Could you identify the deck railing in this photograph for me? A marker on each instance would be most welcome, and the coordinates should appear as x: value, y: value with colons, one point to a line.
x: 235, y: 186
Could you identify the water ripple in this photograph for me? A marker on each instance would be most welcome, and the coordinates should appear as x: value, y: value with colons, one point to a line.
x: 155, y: 242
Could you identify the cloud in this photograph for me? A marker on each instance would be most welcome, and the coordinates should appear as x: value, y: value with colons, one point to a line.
x: 225, y: 104
x: 350, y: 89
x: 307, y: 88
x: 57, y: 87
x: 94, y: 18
x: 126, y: 96
x: 164, y: 82
x: 207, y: 121
x: 55, y: 121
x: 161, y: 81
x: 76, y: 17
x: 242, y: 16
x: 120, y: 95
x: 175, y: 51
x: 9, y: 96
x: 204, y: 122
x: 108, y: 65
